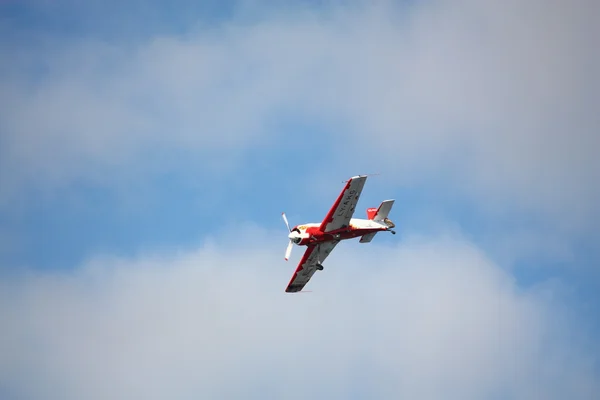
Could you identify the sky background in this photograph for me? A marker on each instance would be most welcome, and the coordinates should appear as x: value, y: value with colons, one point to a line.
x: 147, y: 150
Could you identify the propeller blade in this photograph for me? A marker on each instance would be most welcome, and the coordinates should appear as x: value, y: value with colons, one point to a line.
x: 288, y: 251
x: 286, y: 221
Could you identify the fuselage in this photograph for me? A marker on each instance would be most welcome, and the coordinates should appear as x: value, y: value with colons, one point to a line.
x: 304, y: 235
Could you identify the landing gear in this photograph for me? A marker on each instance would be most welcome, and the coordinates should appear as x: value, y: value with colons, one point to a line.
x: 393, y: 232
x: 319, y: 267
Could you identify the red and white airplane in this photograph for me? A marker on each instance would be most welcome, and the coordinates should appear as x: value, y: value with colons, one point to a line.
x: 338, y: 225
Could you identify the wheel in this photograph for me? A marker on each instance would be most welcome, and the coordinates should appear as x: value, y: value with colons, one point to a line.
x: 319, y: 267
x: 393, y: 232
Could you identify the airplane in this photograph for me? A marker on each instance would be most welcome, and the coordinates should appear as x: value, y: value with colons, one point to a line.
x: 321, y: 238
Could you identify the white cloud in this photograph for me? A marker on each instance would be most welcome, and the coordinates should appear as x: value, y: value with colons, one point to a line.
x: 497, y: 100
x: 430, y: 318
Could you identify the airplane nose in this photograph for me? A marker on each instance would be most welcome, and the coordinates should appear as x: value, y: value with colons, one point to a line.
x: 294, y: 237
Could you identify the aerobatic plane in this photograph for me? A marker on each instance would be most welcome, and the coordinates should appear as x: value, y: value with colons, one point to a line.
x: 321, y: 238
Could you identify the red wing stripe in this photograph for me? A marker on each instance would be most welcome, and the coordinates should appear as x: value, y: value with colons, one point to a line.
x: 329, y: 216
x: 307, y: 254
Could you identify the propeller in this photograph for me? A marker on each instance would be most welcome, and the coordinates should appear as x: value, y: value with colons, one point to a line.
x: 288, y: 251
x: 286, y: 221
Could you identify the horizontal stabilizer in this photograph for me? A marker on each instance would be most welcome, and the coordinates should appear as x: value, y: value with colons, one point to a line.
x: 368, y: 237
x: 383, y: 210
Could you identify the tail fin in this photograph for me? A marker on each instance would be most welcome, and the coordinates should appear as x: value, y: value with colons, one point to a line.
x: 381, y: 213
x: 371, y: 213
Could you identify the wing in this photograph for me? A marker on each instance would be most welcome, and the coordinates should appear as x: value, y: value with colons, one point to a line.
x: 340, y: 214
x: 308, y: 264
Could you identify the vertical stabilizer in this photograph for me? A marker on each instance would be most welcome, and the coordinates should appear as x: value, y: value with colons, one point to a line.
x: 371, y: 212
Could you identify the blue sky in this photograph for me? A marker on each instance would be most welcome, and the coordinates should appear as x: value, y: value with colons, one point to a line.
x: 148, y: 149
